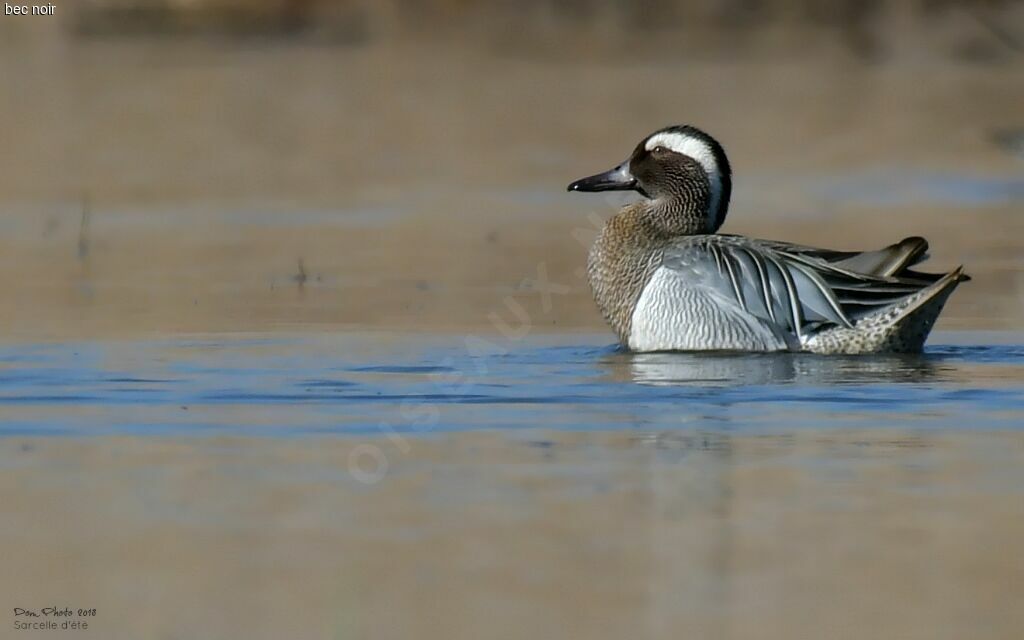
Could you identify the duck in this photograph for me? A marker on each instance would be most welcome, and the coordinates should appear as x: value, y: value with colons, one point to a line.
x: 665, y: 279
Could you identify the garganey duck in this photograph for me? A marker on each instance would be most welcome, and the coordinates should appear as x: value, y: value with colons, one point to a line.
x: 665, y: 280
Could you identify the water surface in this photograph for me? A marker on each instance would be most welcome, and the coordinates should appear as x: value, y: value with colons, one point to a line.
x: 394, y: 485
x: 290, y: 386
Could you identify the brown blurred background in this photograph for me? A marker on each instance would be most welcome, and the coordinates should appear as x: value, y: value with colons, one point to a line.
x: 206, y: 165
x: 300, y: 166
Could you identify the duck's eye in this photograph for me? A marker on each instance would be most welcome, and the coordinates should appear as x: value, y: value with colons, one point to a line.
x: 660, y: 149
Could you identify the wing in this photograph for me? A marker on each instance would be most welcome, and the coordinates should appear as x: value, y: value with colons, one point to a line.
x: 797, y: 289
x: 891, y: 261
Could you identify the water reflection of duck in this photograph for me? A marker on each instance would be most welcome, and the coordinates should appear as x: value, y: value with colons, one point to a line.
x: 665, y: 280
x: 667, y: 369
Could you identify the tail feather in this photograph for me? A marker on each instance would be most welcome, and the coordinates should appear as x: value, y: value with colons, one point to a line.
x: 900, y: 328
x: 913, y: 323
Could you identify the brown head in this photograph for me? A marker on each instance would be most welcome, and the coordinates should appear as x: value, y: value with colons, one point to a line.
x: 682, y: 171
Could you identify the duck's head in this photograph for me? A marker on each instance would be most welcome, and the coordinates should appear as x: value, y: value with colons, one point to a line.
x: 677, y: 166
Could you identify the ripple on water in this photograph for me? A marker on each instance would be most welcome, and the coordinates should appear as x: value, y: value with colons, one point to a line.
x: 304, y: 385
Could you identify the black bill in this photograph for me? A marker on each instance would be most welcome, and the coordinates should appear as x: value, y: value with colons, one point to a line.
x: 617, y: 179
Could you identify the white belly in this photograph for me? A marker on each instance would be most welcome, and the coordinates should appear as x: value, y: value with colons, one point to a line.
x: 674, y: 315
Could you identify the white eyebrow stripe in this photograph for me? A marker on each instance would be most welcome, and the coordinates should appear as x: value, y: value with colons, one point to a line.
x: 702, y: 153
